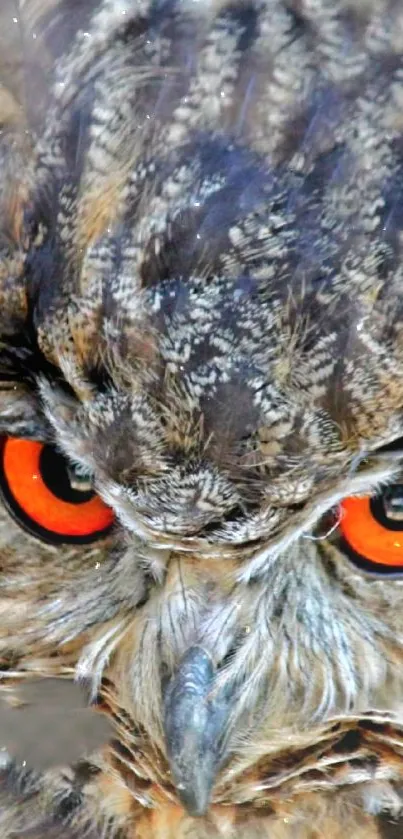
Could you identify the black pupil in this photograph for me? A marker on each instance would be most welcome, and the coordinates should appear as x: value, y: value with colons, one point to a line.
x: 387, y: 507
x: 55, y: 474
x: 392, y: 498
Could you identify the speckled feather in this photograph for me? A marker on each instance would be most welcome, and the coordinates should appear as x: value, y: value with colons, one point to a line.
x: 200, y: 304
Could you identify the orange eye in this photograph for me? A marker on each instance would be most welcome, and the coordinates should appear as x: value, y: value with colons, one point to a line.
x: 36, y: 482
x: 372, y: 530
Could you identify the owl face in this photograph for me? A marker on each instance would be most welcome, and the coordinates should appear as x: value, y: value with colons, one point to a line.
x: 201, y: 399
x: 298, y: 650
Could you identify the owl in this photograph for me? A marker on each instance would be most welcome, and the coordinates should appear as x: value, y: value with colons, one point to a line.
x: 201, y: 419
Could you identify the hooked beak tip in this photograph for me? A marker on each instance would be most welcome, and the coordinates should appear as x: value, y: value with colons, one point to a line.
x: 195, y: 801
x: 194, y: 725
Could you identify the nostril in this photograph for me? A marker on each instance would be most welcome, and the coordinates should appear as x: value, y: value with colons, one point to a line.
x: 230, y: 654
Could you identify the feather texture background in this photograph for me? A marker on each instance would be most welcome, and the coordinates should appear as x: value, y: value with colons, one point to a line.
x: 200, y: 308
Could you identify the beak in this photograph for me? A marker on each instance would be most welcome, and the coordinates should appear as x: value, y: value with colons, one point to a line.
x: 194, y: 726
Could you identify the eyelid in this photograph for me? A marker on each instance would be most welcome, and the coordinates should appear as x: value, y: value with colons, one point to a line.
x: 21, y: 415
